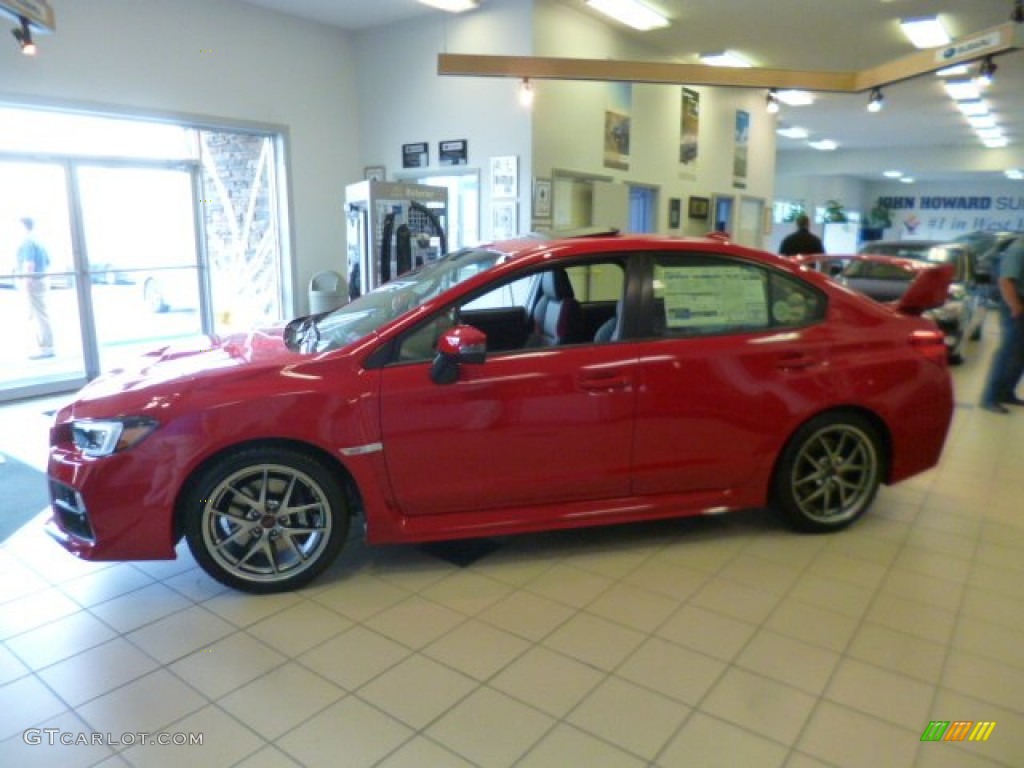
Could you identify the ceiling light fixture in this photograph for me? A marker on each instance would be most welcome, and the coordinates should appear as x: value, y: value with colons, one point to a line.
x: 925, y: 31
x: 824, y: 145
x: 982, y: 121
x: 452, y: 6
x: 725, y: 59
x: 892, y: 174
x: 955, y: 71
x: 989, y: 133
x: 907, y: 180
x: 973, y: 108
x: 986, y: 72
x: 962, y: 90
x: 792, y: 98
x: 996, y: 143
x: 771, y: 102
x: 876, y: 101
x: 526, y: 93
x: 793, y: 132
x: 23, y: 35
x: 632, y: 13
x: 1015, y: 173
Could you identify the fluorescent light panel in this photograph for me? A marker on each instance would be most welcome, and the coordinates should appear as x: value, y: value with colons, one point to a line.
x: 632, y: 13
x: 962, y: 90
x: 957, y: 70
x: 725, y: 59
x: 982, y: 121
x: 825, y: 145
x: 907, y: 180
x: 892, y: 174
x: 996, y: 143
x: 793, y: 132
x: 973, y: 108
x: 452, y: 6
x: 925, y: 31
x: 795, y: 98
x: 989, y: 133
x: 1015, y: 173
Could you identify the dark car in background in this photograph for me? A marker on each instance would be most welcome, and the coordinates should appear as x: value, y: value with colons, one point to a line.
x: 886, y: 279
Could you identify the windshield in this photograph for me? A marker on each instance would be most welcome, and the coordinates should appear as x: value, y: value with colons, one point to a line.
x: 366, y: 314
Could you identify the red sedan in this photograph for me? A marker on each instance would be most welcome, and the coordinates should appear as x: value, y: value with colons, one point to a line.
x: 514, y: 387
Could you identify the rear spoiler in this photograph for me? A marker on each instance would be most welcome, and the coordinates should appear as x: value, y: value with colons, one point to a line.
x: 929, y: 289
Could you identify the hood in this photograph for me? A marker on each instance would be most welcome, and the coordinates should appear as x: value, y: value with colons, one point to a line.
x: 198, y: 359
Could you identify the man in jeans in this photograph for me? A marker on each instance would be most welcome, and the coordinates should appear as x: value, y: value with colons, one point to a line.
x: 1008, y: 361
x: 33, y: 261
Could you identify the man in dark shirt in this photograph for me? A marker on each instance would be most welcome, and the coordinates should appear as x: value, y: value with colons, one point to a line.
x: 803, y: 241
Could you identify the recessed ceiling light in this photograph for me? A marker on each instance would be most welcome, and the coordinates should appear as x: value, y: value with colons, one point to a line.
x: 1015, y: 173
x: 796, y: 98
x: 957, y: 70
x: 962, y: 90
x: 793, y: 132
x: 925, y: 31
x: 452, y: 6
x: 892, y: 174
x: 982, y: 121
x: 632, y: 13
x: 725, y: 59
x: 989, y: 133
x: 996, y: 143
x: 973, y: 108
x: 907, y: 180
x: 824, y: 145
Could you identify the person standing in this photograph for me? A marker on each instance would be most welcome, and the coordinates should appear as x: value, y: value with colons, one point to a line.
x: 1008, y: 362
x: 33, y: 261
x: 803, y: 241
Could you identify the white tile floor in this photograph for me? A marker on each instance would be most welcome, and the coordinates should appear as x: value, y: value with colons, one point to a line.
x: 725, y: 642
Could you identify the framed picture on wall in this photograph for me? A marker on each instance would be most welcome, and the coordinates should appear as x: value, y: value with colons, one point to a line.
x: 505, y: 176
x: 675, y: 206
x: 541, y: 198
x: 503, y: 219
x: 698, y: 207
x: 374, y: 172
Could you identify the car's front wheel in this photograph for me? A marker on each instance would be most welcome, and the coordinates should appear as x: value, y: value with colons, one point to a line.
x: 828, y: 473
x: 268, y: 519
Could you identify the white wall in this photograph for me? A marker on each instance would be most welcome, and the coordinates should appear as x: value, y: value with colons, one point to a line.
x: 569, y: 121
x: 402, y: 100
x: 144, y: 56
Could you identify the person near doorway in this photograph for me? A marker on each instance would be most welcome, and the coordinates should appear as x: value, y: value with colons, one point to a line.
x: 1008, y: 361
x: 802, y: 241
x: 33, y: 261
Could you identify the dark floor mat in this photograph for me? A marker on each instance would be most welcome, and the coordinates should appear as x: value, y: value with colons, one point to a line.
x: 23, y: 495
x: 461, y: 553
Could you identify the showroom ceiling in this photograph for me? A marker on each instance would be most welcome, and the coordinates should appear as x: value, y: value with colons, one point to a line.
x: 800, y: 34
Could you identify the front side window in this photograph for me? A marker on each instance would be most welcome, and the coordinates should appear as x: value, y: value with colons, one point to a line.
x: 576, y: 304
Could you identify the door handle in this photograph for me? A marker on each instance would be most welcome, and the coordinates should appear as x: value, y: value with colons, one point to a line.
x: 796, y: 362
x: 604, y: 381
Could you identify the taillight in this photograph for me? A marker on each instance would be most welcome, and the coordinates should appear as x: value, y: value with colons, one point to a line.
x: 931, y: 344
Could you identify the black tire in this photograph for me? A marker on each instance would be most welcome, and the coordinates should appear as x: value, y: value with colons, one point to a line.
x: 239, y: 528
x: 828, y: 473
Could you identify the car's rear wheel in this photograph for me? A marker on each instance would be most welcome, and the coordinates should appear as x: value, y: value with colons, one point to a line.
x: 267, y: 519
x: 829, y: 473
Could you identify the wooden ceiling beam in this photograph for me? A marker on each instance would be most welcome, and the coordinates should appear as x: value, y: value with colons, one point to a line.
x: 990, y: 42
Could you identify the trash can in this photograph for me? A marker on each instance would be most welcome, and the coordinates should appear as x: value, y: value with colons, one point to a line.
x: 326, y: 292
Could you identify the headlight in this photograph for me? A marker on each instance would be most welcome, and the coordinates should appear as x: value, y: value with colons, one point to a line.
x: 102, y: 438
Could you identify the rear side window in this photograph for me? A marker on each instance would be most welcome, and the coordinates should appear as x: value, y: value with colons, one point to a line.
x: 711, y: 296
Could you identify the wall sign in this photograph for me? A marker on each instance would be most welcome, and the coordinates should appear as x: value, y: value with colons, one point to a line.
x: 416, y: 155
x: 454, y: 152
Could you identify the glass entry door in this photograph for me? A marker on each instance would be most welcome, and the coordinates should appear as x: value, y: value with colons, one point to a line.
x: 39, y: 291
x: 140, y: 244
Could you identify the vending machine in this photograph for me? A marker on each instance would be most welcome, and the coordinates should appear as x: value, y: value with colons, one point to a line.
x: 393, y: 227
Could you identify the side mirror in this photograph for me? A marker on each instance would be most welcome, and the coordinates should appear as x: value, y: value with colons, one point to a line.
x: 461, y: 345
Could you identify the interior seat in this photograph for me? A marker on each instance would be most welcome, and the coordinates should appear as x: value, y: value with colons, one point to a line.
x: 557, y: 318
x: 611, y: 328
